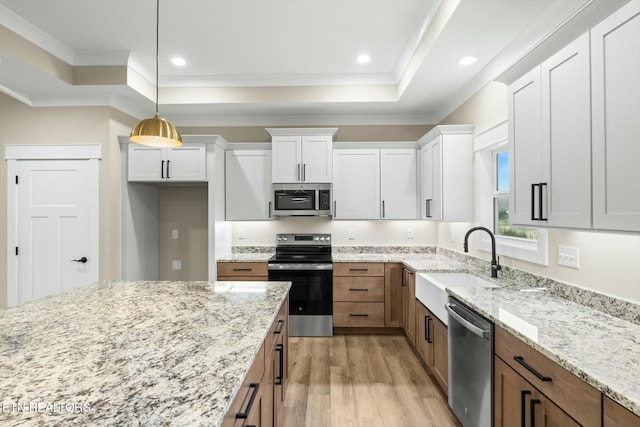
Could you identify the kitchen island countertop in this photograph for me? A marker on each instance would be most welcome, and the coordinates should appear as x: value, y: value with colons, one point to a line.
x: 123, y: 353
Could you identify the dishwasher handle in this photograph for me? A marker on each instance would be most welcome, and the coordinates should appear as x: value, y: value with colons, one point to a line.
x: 464, y: 322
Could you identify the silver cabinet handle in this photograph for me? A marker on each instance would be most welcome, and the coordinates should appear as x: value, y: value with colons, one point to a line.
x: 298, y: 173
x: 304, y: 172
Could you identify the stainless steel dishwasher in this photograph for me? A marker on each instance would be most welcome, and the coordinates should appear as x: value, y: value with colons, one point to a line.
x: 470, y: 365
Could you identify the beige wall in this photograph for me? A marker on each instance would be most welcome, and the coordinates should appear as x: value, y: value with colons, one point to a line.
x: 608, y: 261
x: 183, y: 209
x: 21, y: 124
x: 345, y: 133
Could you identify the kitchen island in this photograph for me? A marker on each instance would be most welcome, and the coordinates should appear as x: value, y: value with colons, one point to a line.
x: 133, y: 353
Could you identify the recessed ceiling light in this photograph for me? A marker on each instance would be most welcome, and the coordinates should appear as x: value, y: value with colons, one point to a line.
x: 178, y: 62
x: 363, y: 59
x: 467, y: 60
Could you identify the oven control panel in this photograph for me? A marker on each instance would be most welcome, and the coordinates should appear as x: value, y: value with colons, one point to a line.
x: 302, y: 239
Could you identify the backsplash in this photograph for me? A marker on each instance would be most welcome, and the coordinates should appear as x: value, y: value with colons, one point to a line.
x: 616, y: 307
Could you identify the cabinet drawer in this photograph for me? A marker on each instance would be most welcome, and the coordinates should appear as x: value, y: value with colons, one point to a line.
x: 574, y: 396
x: 242, y: 401
x: 242, y: 269
x: 278, y: 328
x: 358, y: 269
x: 358, y: 289
x: 358, y: 314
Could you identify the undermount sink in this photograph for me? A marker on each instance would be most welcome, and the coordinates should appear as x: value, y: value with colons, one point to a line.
x: 431, y: 289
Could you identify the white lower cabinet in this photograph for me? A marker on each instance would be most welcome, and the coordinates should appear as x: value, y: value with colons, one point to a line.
x: 374, y: 183
x: 248, y: 185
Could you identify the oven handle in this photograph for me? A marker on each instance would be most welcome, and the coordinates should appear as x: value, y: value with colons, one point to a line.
x: 300, y: 266
x: 464, y: 322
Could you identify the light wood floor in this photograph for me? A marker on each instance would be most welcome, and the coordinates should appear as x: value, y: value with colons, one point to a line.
x: 360, y: 380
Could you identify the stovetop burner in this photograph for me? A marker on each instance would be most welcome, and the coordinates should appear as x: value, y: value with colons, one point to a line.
x: 302, y: 248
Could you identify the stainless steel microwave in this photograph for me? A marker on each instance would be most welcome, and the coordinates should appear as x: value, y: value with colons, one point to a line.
x: 302, y: 199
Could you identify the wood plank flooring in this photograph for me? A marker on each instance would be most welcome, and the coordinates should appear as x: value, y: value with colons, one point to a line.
x: 360, y: 380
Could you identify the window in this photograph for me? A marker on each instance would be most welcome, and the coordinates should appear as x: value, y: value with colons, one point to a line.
x: 501, y: 224
x: 492, y: 168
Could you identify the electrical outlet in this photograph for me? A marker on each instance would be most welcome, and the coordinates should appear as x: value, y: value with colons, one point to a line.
x: 174, y: 234
x: 241, y: 233
x: 569, y: 256
x: 352, y: 234
x: 176, y: 264
x: 410, y: 233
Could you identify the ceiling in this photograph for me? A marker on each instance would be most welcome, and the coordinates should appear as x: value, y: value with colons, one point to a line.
x: 276, y: 62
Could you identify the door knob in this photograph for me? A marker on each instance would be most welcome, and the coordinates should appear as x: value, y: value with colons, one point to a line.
x: 82, y: 260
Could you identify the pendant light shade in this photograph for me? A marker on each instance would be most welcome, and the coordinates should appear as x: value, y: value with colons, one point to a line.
x: 156, y: 131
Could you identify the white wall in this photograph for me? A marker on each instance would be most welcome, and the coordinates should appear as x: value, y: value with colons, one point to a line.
x: 376, y: 233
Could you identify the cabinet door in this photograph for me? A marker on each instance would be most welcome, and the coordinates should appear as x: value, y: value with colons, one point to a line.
x: 248, y: 185
x: 186, y: 163
x: 615, y: 65
x: 145, y: 163
x: 398, y: 183
x: 440, y: 353
x: 566, y: 135
x: 615, y: 415
x: 511, y: 396
x: 356, y: 184
x: 525, y: 147
x: 393, y: 302
x: 411, y: 307
x: 317, y: 158
x: 424, y: 334
x: 436, y: 204
x: 268, y: 388
x: 286, y: 158
x: 427, y: 181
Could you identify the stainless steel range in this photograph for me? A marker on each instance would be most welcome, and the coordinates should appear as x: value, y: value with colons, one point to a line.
x: 305, y: 261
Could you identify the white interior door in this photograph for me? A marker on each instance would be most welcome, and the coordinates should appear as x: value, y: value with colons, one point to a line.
x: 57, y: 226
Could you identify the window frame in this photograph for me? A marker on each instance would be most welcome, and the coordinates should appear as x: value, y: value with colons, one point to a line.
x: 486, y: 145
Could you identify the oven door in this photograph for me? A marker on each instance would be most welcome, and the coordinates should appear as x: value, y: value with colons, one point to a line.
x: 311, y: 287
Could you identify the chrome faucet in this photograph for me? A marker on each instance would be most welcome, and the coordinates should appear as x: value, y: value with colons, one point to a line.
x: 495, y: 266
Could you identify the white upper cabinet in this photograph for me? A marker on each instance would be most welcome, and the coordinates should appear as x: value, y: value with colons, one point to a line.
x: 615, y: 68
x: 302, y: 155
x: 248, y: 185
x: 525, y: 147
x: 372, y: 183
x: 447, y: 173
x: 356, y: 183
x: 182, y: 164
x: 566, y: 136
x: 550, y: 141
x: 398, y: 183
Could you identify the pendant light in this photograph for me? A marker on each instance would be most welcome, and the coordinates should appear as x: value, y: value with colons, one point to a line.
x: 156, y: 131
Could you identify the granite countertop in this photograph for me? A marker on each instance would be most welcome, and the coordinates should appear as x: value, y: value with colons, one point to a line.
x: 144, y: 353
x: 247, y: 257
x: 601, y: 349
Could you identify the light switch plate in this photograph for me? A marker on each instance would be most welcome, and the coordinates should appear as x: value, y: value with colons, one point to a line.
x: 569, y: 256
x: 410, y: 233
x: 176, y: 264
x: 174, y: 233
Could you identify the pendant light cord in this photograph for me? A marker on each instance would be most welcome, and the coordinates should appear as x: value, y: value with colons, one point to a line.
x: 157, y: 48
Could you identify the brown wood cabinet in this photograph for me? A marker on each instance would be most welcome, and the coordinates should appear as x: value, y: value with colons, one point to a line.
x: 518, y: 403
x: 242, y: 271
x: 358, y: 295
x: 261, y: 397
x: 393, y: 301
x: 615, y: 415
x: 431, y: 344
x: 548, y: 382
x: 409, y: 304
x: 246, y: 409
